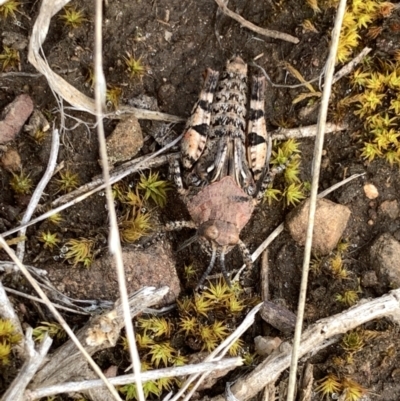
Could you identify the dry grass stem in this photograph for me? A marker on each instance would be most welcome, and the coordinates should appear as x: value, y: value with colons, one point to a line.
x: 114, y: 242
x: 282, y: 134
x: 261, y: 31
x: 127, y: 379
x: 36, y: 299
x: 37, y: 194
x: 319, y: 142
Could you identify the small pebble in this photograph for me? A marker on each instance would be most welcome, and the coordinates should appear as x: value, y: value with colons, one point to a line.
x: 264, y: 346
x: 390, y: 208
x: 371, y: 191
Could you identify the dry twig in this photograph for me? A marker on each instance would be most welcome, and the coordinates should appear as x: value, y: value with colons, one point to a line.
x: 37, y: 194
x: 261, y: 31
x: 127, y: 379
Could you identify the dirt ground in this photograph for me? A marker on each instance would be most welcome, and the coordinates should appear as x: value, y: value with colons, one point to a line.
x: 176, y: 41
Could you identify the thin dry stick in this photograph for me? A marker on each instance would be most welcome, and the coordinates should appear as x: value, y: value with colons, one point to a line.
x: 37, y: 194
x: 114, y: 238
x: 317, y: 336
x: 261, y: 31
x: 57, y: 315
x: 128, y: 379
x: 264, y: 273
x: 34, y: 359
x: 319, y: 143
x: 350, y: 65
x: 36, y: 299
x: 306, y: 132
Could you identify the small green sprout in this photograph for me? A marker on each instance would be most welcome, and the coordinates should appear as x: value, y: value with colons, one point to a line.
x: 8, y: 338
x: 80, y: 251
x: 352, y: 390
x: 73, y: 17
x: 54, y: 330
x: 165, y: 383
x: 185, y: 305
x: 202, y: 304
x: 188, y: 325
x: 337, y: 268
x: 234, y: 305
x: 370, y: 151
x: 113, y: 95
x: 293, y: 194
x: 9, y: 8
x: 134, y: 228
x: 220, y: 330
x: 249, y: 358
x: 349, y: 297
x: 143, y: 340
x: 236, y: 348
x: 189, y: 271
x: 55, y: 219
x: 9, y: 58
x: 21, y: 183
x: 218, y: 292
x: 210, y: 341
x: 179, y: 360
x: 353, y: 341
x: 39, y: 136
x: 149, y: 387
x: 158, y: 326
x: 136, y: 69
x: 49, y: 240
x: 292, y: 171
x: 272, y: 194
x: 68, y: 181
x: 161, y: 352
x: 329, y: 385
x: 154, y: 188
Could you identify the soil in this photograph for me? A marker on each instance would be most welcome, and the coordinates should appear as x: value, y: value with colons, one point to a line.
x: 176, y: 41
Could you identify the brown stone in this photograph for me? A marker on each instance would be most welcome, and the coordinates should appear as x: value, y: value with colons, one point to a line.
x: 14, y: 116
x: 11, y: 161
x: 371, y: 191
x: 154, y: 266
x: 385, y: 259
x: 265, y: 346
x: 390, y: 208
x: 330, y: 222
x: 125, y: 141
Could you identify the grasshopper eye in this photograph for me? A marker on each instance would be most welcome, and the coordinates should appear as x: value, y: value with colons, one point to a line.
x: 233, y: 239
x: 211, y: 232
